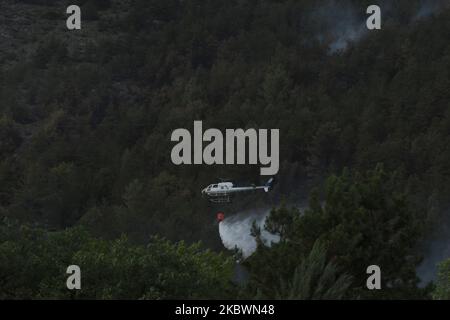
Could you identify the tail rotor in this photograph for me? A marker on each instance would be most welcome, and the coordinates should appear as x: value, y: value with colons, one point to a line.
x: 269, y: 185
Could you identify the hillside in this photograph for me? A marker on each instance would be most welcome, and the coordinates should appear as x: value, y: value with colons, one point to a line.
x: 86, y: 118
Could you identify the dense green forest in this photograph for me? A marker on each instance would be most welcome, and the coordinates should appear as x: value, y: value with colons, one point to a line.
x: 85, y: 124
x: 37, y: 262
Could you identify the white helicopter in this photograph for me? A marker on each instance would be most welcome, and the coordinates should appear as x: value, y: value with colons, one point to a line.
x: 222, y: 192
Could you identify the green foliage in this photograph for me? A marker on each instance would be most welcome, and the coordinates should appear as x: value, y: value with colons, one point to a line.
x: 442, y: 290
x: 86, y: 117
x: 50, y: 49
x: 10, y: 138
x: 33, y: 265
x: 105, y: 102
x: 315, y: 279
x: 364, y: 220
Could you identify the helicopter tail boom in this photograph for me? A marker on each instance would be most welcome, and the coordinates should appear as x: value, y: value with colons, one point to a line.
x: 269, y: 185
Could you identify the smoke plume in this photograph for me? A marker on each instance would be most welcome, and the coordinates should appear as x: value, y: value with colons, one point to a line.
x: 429, y: 7
x: 436, y: 250
x: 338, y: 23
x: 235, y: 231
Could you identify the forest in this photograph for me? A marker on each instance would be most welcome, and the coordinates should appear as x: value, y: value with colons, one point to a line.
x: 86, y: 118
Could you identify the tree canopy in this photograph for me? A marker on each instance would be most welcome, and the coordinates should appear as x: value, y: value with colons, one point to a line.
x: 33, y: 265
x: 86, y: 118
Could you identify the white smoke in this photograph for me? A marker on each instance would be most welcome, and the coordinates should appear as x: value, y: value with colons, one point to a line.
x: 346, y: 37
x: 339, y: 23
x: 438, y: 251
x: 235, y: 231
x: 428, y: 8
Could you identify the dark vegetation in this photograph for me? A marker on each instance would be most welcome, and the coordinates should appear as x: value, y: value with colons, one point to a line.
x: 85, y: 123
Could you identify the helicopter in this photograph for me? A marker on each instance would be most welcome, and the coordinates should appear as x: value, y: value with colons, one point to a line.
x: 223, y: 192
